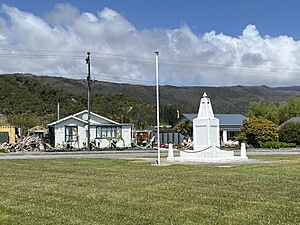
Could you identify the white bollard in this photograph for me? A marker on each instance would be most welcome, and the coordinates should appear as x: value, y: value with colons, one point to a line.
x: 170, y: 152
x: 243, y: 151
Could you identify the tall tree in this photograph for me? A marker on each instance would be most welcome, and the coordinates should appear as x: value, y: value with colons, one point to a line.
x: 267, y: 110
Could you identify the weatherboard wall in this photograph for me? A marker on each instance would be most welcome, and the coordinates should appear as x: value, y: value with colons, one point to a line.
x: 60, y: 133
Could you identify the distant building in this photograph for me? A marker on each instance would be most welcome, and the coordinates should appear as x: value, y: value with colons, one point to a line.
x: 167, y: 136
x: 230, y: 125
x: 8, y: 134
x: 71, y: 131
x: 293, y: 120
x: 38, y: 131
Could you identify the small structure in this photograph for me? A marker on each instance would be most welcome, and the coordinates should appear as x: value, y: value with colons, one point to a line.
x: 167, y: 136
x: 206, y: 138
x: 38, y: 131
x: 8, y: 134
x: 142, y: 137
x: 72, y: 131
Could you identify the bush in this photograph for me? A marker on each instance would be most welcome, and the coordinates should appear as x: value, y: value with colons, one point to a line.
x: 290, y: 133
x: 2, y: 150
x: 277, y: 144
x: 256, y: 131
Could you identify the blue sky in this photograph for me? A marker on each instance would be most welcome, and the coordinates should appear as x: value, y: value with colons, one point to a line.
x: 215, y: 43
x: 272, y: 17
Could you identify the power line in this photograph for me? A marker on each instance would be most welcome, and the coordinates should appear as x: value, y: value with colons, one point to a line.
x: 128, y: 59
x: 120, y: 78
x: 179, y: 66
x: 133, y: 59
x: 145, y: 62
x: 43, y: 50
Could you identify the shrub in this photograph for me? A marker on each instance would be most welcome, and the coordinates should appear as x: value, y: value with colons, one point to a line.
x: 256, y: 131
x: 277, y: 144
x: 290, y: 133
x: 2, y: 150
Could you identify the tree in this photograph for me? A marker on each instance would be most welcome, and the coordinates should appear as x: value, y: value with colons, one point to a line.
x: 290, y: 133
x: 257, y: 130
x: 289, y: 109
x: 267, y: 110
x: 3, y: 120
x: 185, y: 127
x: 168, y: 114
x: 277, y: 113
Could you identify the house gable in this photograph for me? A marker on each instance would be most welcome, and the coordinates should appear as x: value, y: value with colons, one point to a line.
x: 95, y: 118
x: 66, y: 119
x: 72, y: 121
x: 81, y: 117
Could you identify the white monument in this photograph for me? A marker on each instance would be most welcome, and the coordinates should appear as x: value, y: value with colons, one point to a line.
x: 206, y: 135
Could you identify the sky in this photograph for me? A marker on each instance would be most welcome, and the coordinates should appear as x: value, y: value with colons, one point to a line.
x: 204, y: 42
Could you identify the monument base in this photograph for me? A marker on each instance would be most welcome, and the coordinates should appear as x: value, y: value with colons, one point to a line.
x: 212, y: 154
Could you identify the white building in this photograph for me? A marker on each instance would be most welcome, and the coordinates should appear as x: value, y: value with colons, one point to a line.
x: 71, y: 131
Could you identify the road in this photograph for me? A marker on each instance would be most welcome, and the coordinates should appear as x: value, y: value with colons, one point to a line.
x: 118, y: 154
x: 61, y: 155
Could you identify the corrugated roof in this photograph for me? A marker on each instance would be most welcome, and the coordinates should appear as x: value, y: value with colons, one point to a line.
x: 225, y: 119
x: 75, y: 116
x: 293, y: 119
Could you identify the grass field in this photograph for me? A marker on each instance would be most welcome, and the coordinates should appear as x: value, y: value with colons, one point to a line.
x: 108, y: 191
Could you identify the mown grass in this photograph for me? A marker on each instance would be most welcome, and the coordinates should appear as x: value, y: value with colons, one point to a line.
x: 109, y: 191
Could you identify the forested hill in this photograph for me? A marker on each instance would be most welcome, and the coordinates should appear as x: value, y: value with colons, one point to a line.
x: 27, y: 100
x: 233, y: 99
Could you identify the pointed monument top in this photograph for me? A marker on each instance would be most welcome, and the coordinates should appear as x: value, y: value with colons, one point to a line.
x: 205, y: 109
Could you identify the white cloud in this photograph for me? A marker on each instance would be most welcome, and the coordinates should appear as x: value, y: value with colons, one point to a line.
x: 186, y: 58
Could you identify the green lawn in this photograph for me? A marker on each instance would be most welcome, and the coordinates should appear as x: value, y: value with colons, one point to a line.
x: 107, y: 191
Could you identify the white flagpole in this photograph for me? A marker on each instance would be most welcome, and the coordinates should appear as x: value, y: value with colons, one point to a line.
x: 157, y: 108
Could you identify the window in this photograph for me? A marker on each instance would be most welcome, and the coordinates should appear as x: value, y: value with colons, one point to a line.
x: 231, y: 135
x: 71, y: 134
x: 107, y: 131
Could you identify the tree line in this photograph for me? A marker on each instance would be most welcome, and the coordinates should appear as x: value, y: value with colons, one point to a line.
x: 278, y: 113
x: 262, y: 130
x: 26, y: 102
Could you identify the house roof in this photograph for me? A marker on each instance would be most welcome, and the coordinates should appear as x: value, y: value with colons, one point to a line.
x: 95, y: 114
x: 66, y: 118
x: 225, y: 119
x: 37, y: 129
x: 75, y: 116
x: 293, y: 119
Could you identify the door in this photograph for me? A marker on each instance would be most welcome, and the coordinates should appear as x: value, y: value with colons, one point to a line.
x: 4, y: 137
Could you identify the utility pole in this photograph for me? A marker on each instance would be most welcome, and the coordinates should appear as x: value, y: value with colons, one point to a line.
x: 88, y: 62
x: 58, y: 111
x: 157, y: 107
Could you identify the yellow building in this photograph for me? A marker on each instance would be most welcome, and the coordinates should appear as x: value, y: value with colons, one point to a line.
x: 8, y: 134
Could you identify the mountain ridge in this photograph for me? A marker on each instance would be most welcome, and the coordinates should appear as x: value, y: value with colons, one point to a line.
x: 225, y: 99
x: 27, y: 100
